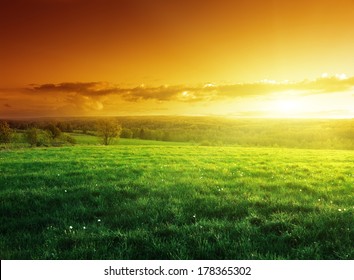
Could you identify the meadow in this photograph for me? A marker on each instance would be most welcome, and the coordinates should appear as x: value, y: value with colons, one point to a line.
x: 162, y: 200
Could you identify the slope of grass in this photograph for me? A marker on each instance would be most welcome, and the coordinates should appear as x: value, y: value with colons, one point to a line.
x: 176, y: 202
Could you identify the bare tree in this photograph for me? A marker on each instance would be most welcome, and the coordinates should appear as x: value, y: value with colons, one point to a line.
x: 108, y: 130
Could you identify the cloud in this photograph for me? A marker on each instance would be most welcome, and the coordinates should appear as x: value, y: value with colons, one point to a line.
x: 93, y: 92
x: 87, y: 89
x: 102, y: 98
x: 326, y: 85
x: 101, y: 89
x: 97, y: 90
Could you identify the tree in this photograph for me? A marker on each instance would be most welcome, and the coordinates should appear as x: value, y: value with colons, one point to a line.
x: 69, y: 127
x: 38, y: 137
x: 5, y: 132
x: 126, y: 133
x: 108, y: 130
x: 64, y: 126
x: 54, y: 130
x: 142, y: 133
x: 32, y: 136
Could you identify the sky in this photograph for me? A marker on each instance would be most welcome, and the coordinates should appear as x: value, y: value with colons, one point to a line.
x: 239, y: 58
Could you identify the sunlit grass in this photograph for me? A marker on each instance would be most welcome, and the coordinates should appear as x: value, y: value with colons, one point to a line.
x: 133, y: 201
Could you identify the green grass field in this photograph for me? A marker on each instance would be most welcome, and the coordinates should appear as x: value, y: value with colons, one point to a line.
x: 155, y: 200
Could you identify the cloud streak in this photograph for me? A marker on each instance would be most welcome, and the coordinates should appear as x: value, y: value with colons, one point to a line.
x: 207, y: 92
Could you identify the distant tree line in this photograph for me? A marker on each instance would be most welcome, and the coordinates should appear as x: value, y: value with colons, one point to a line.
x: 333, y: 134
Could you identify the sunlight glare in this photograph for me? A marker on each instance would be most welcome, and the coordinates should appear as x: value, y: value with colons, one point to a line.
x: 287, y: 106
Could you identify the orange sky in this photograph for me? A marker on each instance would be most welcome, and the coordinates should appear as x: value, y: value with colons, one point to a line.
x: 207, y: 57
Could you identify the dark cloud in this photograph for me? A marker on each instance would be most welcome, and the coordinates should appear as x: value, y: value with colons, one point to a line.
x: 207, y: 92
x: 7, y: 105
x: 161, y: 93
x: 97, y: 89
x: 87, y: 89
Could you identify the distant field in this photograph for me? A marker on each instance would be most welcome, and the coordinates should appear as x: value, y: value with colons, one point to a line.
x: 156, y: 200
